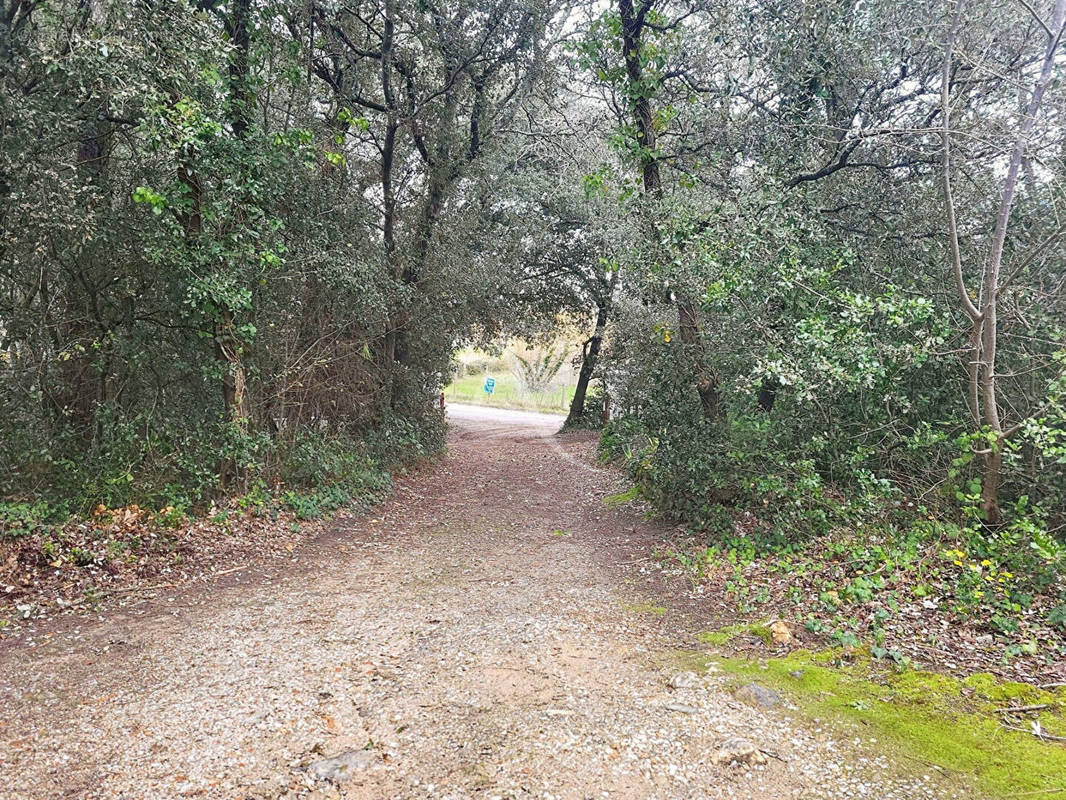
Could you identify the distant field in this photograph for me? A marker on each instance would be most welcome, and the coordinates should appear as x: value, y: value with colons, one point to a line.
x: 508, y: 394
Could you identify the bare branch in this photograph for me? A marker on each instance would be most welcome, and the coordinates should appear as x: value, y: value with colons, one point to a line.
x: 949, y: 200
x: 1036, y: 16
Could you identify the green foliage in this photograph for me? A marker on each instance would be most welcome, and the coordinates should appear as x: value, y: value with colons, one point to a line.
x: 315, y: 504
x: 23, y: 519
x: 175, y: 235
x: 860, y: 432
x: 621, y: 498
x: 1057, y: 616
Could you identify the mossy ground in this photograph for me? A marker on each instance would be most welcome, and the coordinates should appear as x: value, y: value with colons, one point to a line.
x: 953, y: 725
x: 726, y: 634
x: 621, y: 498
x: 644, y: 608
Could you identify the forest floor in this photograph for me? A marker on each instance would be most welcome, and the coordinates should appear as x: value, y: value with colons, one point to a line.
x: 493, y: 630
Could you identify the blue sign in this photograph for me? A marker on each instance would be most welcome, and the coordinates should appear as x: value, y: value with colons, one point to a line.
x: 490, y: 385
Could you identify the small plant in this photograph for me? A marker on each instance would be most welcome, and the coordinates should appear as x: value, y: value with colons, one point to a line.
x: 22, y: 519
x: 171, y: 516
x: 845, y: 638
x: 622, y: 498
x: 83, y: 557
x: 538, y: 370
x: 51, y: 551
x: 1057, y: 616
x: 304, y: 506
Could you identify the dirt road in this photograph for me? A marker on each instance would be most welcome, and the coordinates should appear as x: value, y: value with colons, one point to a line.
x: 492, y: 631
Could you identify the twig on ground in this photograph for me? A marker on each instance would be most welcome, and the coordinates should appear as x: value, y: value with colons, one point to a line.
x: 157, y: 586
x: 1018, y: 709
x: 1041, y: 735
x: 772, y: 754
x: 139, y: 589
x: 225, y: 571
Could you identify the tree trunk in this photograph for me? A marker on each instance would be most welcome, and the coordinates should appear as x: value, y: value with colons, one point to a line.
x: 991, y: 483
x: 767, y: 395
x: 233, y: 379
x: 414, y: 269
x: 983, y: 394
x: 633, y: 25
x: 706, y: 380
x: 387, y: 344
x: 239, y: 31
x: 590, y: 354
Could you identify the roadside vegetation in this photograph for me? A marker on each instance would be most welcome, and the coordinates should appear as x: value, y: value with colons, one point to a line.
x: 843, y: 374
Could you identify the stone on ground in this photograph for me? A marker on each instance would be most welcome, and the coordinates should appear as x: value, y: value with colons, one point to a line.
x: 738, y: 751
x: 343, y: 767
x: 755, y: 695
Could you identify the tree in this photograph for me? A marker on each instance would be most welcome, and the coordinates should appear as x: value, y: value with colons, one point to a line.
x: 982, y: 307
x: 640, y: 88
x: 446, y: 80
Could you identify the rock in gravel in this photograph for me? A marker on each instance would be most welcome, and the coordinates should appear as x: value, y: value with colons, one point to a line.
x: 738, y: 751
x: 684, y: 680
x: 683, y: 708
x: 755, y: 695
x: 343, y: 767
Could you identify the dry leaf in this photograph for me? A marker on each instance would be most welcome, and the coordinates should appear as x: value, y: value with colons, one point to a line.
x: 780, y: 632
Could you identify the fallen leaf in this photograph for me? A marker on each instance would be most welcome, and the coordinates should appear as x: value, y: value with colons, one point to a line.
x: 780, y: 632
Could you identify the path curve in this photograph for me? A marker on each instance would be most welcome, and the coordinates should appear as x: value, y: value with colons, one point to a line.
x: 487, y: 633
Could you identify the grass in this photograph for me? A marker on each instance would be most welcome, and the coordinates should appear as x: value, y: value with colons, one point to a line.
x: 927, y: 717
x: 508, y: 394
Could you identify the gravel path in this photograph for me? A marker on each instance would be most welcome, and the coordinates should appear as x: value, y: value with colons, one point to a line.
x: 486, y: 633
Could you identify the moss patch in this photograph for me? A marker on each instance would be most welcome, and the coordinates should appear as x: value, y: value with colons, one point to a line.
x: 645, y: 608
x: 622, y: 498
x: 926, y: 716
x: 989, y: 687
x: 730, y: 632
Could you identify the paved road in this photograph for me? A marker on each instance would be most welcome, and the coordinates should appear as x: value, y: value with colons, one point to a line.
x: 486, y: 416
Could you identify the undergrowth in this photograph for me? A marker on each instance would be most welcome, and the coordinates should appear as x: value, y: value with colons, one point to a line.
x: 853, y: 560
x: 163, y: 519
